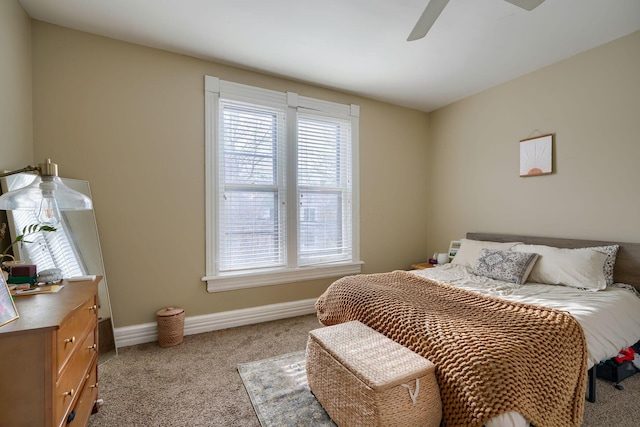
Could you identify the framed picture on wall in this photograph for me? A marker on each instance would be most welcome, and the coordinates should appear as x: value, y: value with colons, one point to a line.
x: 535, y: 155
x: 8, y: 311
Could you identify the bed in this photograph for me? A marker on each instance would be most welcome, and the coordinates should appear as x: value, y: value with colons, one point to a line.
x: 583, y: 325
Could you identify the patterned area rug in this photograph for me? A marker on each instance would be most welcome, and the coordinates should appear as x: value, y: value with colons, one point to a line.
x: 279, y: 392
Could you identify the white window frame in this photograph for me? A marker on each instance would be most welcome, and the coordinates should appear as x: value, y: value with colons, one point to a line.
x: 223, y: 281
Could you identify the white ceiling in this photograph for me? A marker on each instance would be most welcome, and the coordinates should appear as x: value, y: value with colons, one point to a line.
x: 359, y: 46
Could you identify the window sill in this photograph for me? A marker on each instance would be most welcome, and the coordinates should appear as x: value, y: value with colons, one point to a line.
x: 244, y: 280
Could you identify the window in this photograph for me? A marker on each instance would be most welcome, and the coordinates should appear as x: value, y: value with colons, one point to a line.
x: 282, y: 195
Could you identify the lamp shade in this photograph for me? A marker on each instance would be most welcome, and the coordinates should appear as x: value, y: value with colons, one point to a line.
x: 43, y: 187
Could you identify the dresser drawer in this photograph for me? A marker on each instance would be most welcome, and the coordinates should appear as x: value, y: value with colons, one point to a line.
x: 72, y: 330
x: 76, y: 370
x: 87, y: 399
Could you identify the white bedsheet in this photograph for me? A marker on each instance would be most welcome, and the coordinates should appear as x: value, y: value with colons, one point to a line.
x: 609, y: 318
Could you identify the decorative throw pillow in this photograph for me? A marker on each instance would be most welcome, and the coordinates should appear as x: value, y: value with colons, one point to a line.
x: 469, y: 251
x: 581, y: 268
x: 508, y: 266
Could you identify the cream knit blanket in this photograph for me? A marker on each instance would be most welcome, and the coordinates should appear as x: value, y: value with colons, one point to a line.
x: 492, y: 356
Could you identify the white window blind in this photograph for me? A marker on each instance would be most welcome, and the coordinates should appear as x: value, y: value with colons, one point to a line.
x: 48, y: 249
x: 252, y: 221
x: 324, y: 189
x: 282, y: 198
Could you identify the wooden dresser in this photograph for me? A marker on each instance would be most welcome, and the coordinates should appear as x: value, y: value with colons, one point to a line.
x: 49, y: 358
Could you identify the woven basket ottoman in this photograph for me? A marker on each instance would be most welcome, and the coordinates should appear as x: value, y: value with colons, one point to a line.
x: 362, y: 378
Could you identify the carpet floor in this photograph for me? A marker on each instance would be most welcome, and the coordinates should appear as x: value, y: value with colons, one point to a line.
x: 197, y: 383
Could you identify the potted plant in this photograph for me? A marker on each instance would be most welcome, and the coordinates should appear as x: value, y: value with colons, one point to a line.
x: 27, y: 231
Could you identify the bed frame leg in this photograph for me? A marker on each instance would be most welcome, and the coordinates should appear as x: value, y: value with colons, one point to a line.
x: 591, y: 397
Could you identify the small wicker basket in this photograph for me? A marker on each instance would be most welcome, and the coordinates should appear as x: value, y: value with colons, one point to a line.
x: 170, y: 326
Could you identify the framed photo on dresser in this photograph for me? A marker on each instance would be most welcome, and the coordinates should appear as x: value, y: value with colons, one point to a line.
x: 8, y: 311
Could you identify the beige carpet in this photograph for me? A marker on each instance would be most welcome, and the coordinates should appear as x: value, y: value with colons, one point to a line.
x: 196, y: 383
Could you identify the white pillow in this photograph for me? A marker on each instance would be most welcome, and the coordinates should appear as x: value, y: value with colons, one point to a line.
x: 610, y: 263
x: 469, y: 251
x: 579, y: 268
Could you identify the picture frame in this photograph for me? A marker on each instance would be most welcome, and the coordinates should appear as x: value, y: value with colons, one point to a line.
x: 8, y: 310
x: 453, y: 248
x: 536, y: 156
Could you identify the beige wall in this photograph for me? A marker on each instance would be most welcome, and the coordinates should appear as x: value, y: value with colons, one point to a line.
x: 16, y: 138
x: 130, y: 119
x: 591, y: 102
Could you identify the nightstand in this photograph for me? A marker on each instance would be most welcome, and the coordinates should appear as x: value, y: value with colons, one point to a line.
x: 421, y: 266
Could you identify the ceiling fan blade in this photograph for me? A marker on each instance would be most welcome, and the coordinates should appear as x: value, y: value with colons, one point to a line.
x: 526, y: 4
x: 428, y: 17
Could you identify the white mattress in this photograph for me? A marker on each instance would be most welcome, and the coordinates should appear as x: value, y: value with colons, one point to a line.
x: 609, y: 318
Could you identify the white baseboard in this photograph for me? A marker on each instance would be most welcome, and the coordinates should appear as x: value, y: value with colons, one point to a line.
x: 148, y: 332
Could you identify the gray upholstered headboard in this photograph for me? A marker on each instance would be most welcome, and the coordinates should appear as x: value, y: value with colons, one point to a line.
x: 627, y: 267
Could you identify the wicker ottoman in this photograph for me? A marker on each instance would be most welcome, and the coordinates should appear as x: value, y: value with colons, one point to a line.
x: 362, y: 378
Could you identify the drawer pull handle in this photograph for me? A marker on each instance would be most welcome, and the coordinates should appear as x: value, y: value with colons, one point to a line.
x: 93, y: 347
x: 93, y: 385
x: 93, y: 307
x: 69, y: 393
x: 70, y: 340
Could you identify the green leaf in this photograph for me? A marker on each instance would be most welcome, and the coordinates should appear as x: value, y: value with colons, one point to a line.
x: 27, y: 231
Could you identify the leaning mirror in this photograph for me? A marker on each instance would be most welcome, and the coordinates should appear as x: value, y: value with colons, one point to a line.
x: 74, y: 248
